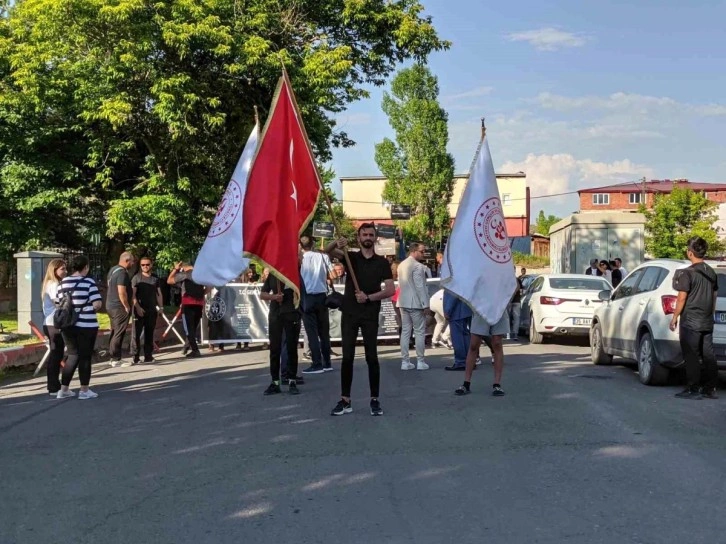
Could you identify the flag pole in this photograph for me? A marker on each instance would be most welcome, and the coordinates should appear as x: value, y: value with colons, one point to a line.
x: 322, y: 187
x: 471, y: 169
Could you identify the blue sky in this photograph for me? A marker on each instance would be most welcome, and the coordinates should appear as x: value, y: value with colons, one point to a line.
x: 576, y: 94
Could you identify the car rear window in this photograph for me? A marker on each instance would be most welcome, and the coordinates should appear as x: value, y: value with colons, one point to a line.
x: 721, y: 283
x: 577, y: 283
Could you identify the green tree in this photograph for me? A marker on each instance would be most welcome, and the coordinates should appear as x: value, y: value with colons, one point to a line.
x: 544, y: 223
x: 128, y: 116
x: 675, y: 218
x: 420, y: 171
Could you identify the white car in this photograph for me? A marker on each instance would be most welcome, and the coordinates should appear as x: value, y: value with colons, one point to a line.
x: 633, y: 321
x: 560, y: 304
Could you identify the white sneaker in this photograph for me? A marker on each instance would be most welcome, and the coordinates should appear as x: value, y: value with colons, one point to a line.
x: 88, y: 394
x: 65, y: 394
x: 422, y: 366
x: 478, y: 361
x: 407, y: 365
x: 115, y: 364
x: 127, y: 364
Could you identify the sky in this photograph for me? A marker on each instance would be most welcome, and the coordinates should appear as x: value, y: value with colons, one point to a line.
x: 576, y: 94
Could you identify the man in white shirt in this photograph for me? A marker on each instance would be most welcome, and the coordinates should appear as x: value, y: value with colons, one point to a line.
x: 314, y: 271
x: 619, y: 264
x: 413, y: 301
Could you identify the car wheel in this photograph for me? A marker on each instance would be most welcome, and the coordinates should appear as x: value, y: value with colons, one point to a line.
x: 650, y: 371
x: 534, y: 336
x: 599, y: 357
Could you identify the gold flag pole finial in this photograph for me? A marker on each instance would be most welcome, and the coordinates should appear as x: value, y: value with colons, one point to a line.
x: 257, y: 116
x: 483, y: 127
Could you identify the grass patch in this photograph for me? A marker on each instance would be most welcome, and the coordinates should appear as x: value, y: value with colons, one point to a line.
x: 10, y: 325
x: 530, y: 261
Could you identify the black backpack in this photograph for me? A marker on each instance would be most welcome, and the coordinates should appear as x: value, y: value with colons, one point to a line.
x: 65, y: 315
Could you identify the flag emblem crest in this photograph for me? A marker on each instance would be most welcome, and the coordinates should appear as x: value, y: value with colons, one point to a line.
x: 490, y: 230
x: 228, y: 210
x: 216, y: 309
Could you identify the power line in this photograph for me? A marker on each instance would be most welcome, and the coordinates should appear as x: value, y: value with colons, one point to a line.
x: 636, y: 184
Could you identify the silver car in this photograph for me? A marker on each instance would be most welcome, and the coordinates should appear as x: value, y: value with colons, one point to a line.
x: 633, y: 321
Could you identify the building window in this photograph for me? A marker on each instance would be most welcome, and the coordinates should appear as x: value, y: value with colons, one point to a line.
x: 601, y: 199
x: 506, y: 199
x: 635, y: 198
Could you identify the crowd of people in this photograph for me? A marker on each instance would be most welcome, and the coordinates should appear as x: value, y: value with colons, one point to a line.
x: 613, y: 271
x: 368, y: 279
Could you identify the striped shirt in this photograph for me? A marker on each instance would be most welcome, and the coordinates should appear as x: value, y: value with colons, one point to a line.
x: 84, y: 293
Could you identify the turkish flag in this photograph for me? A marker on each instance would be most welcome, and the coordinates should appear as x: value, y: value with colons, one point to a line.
x: 282, y: 191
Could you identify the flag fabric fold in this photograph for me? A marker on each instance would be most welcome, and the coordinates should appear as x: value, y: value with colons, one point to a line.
x: 477, y: 265
x: 282, y: 191
x: 221, y: 258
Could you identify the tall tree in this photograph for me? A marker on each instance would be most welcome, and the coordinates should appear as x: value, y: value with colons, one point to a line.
x: 128, y: 115
x: 420, y: 171
x: 544, y: 222
x: 675, y: 218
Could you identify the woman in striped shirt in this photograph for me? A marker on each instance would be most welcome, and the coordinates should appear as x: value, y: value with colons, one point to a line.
x: 54, y: 274
x: 80, y: 339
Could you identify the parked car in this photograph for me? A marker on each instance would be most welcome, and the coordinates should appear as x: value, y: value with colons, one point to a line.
x: 633, y: 321
x: 560, y: 304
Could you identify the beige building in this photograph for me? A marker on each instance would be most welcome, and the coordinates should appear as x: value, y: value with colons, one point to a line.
x: 363, y: 201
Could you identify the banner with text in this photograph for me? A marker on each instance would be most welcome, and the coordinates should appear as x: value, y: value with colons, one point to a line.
x: 236, y: 313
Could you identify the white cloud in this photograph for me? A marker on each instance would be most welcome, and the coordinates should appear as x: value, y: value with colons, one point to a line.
x: 352, y: 120
x: 549, y: 39
x: 472, y: 93
x: 563, y: 173
x: 628, y: 103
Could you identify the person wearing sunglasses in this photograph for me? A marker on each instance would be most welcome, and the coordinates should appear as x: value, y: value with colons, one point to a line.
x: 147, y: 298
x: 605, y: 272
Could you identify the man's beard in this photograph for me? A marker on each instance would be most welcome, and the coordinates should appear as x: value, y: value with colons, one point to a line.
x: 367, y: 244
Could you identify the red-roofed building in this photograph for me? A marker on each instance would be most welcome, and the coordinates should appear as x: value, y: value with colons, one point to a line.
x: 627, y: 197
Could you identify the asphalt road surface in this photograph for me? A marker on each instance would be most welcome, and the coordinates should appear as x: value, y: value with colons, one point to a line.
x: 191, y: 452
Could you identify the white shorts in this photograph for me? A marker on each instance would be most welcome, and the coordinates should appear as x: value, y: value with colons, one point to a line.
x: 481, y: 327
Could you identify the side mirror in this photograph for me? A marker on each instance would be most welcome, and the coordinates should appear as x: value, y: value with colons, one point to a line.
x: 604, y: 295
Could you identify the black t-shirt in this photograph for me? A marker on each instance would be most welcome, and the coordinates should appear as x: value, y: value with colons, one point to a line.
x: 272, y: 285
x: 117, y: 277
x: 192, y: 292
x: 145, y: 291
x: 700, y: 282
x: 370, y: 273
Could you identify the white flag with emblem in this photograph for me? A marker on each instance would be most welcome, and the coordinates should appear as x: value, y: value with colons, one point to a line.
x: 220, y: 259
x: 478, y: 265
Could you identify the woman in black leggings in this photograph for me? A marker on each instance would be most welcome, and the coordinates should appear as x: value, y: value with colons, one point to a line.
x: 80, y: 339
x: 54, y: 274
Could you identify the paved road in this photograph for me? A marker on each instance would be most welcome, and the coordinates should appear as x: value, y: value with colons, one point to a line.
x: 190, y: 452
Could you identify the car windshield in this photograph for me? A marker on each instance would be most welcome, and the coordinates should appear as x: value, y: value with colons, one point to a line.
x: 584, y: 284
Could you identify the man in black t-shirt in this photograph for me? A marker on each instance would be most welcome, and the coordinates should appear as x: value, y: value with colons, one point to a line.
x: 146, y: 298
x: 360, y: 311
x: 118, y: 305
x: 697, y: 288
x: 283, y: 316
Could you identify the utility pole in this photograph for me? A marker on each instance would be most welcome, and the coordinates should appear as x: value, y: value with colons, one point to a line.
x: 645, y: 195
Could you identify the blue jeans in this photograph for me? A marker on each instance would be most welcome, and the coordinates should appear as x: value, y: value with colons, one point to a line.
x: 460, y: 337
x: 316, y: 320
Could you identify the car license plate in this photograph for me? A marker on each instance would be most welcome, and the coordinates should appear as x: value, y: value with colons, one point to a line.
x: 719, y: 318
x: 582, y: 321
